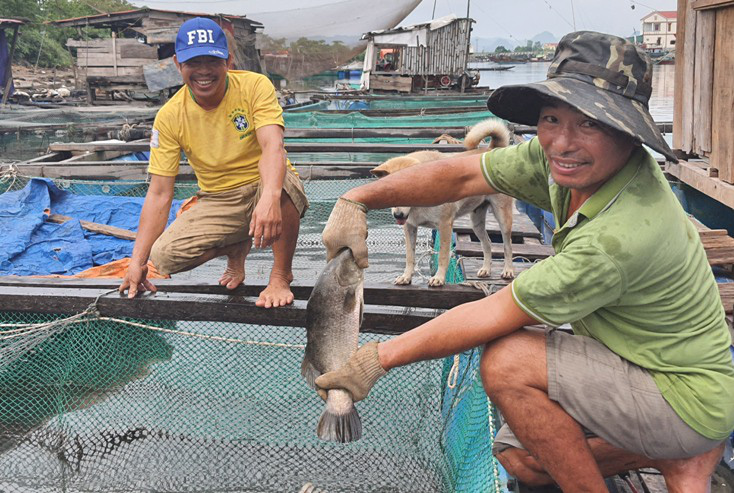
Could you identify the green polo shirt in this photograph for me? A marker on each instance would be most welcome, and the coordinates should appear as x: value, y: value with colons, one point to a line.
x: 631, y: 272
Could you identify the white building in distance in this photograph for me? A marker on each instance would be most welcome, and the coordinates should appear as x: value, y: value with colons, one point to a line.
x: 658, y: 30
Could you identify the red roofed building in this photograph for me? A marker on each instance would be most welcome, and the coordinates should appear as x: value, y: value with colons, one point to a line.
x: 658, y: 30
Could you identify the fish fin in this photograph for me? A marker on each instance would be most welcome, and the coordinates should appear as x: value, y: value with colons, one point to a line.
x: 342, y: 428
x: 309, y: 372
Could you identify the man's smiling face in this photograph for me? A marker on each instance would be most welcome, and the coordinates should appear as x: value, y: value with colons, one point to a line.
x: 206, y: 76
x: 582, y: 153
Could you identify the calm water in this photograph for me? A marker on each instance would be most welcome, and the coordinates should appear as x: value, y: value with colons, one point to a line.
x: 661, y: 101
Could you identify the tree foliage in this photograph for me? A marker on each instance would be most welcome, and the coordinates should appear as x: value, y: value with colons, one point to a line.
x: 45, y: 44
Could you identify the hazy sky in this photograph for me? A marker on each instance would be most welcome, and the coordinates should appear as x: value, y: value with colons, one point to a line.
x: 519, y: 19
x: 522, y: 19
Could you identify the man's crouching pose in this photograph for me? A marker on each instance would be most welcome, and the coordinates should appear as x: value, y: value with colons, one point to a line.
x: 230, y: 126
x: 646, y: 379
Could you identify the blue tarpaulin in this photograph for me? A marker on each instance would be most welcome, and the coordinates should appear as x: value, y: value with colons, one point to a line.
x: 31, y: 246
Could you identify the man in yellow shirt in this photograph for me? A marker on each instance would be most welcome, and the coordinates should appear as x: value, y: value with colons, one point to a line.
x: 230, y: 126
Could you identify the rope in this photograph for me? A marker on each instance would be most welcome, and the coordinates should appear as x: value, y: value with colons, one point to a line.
x: 453, y: 373
x: 8, y: 173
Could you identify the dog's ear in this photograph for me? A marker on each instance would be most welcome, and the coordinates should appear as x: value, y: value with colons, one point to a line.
x: 381, y: 170
x: 379, y: 173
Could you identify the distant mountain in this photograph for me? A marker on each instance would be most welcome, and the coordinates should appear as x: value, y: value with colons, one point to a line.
x: 544, y: 37
x: 491, y: 44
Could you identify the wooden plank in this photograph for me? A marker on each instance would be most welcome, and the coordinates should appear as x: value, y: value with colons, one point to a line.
x: 703, y: 81
x: 686, y: 87
x: 699, y: 179
x: 402, y: 111
x: 137, y: 50
x: 468, y: 248
x: 522, y: 226
x: 413, y: 296
x: 722, y: 152
x: 360, y: 133
x: 473, y: 264
x: 104, y: 229
x: 726, y: 292
x: 106, y: 60
x: 391, y: 83
x: 719, y: 249
x: 190, y: 307
x: 134, y: 171
x: 711, y: 4
x: 110, y: 71
x: 291, y: 147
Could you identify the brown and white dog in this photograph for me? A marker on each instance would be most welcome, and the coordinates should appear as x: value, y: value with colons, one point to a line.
x: 442, y: 217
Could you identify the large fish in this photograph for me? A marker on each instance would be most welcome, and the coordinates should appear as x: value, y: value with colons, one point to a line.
x: 333, y: 317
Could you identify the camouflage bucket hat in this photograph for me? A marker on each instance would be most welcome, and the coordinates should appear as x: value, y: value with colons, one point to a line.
x: 604, y: 77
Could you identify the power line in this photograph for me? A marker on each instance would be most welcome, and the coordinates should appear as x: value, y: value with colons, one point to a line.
x: 558, y: 13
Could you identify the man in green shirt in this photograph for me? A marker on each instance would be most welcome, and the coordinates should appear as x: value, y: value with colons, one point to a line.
x: 646, y: 380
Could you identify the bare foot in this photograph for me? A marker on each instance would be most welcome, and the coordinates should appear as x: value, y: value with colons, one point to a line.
x: 277, y: 293
x: 234, y: 274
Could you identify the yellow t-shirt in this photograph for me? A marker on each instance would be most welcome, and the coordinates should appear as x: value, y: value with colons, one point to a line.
x: 220, y: 144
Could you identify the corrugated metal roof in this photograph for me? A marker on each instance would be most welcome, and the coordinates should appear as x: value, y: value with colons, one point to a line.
x: 111, y: 16
x: 13, y: 21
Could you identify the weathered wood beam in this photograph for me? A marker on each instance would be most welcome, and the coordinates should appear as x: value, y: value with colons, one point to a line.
x: 132, y: 170
x: 195, y: 307
x: 468, y: 248
x: 104, y: 229
x: 292, y: 147
x: 374, y: 293
x: 698, y: 178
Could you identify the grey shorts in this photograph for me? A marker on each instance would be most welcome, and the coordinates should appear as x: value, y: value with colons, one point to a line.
x: 613, y: 399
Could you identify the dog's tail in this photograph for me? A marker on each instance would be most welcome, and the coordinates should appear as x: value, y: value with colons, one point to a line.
x: 491, y: 127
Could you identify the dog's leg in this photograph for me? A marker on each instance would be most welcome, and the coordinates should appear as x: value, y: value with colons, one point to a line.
x: 478, y: 224
x: 502, y: 206
x: 411, y: 232
x: 445, y: 231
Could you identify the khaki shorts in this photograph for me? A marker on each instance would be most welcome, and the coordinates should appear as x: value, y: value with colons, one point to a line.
x: 613, y: 399
x: 217, y: 220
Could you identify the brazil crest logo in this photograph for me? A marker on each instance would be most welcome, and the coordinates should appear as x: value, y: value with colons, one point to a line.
x: 240, y: 122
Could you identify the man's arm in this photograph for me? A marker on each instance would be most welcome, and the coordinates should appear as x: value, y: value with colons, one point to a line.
x: 439, y: 182
x: 153, y: 219
x: 463, y: 327
x: 267, y: 223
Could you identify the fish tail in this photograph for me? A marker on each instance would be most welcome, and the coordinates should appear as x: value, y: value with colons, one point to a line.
x: 340, y: 421
x: 309, y: 372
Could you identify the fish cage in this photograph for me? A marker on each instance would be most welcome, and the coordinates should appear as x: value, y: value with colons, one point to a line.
x: 195, y: 389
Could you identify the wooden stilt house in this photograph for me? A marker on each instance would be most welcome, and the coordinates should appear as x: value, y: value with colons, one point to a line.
x: 138, y: 55
x: 412, y: 58
x: 703, y: 133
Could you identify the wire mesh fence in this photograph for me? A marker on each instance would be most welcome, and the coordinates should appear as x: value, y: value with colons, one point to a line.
x: 141, y: 405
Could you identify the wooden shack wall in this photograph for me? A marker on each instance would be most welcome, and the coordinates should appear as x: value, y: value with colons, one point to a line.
x: 445, y: 53
x: 704, y: 87
x: 94, y: 57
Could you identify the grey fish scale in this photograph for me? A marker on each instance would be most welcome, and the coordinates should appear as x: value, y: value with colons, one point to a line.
x: 333, y: 317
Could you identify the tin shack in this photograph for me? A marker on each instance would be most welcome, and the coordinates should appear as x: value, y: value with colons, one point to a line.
x: 703, y: 134
x: 139, y: 54
x: 413, y: 58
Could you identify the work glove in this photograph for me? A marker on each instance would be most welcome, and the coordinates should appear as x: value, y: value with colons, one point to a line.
x: 347, y: 227
x: 357, y: 376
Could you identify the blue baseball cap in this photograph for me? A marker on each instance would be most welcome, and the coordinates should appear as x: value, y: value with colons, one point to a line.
x: 200, y: 37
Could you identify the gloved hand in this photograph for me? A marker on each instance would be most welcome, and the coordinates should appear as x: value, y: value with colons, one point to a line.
x: 347, y: 227
x: 357, y: 376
